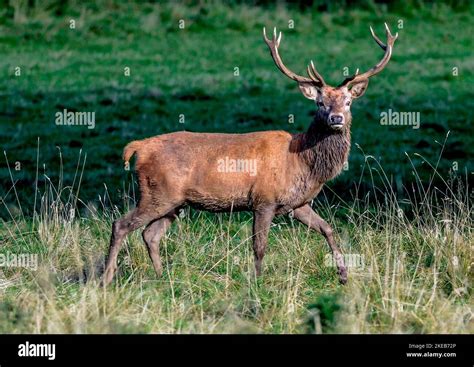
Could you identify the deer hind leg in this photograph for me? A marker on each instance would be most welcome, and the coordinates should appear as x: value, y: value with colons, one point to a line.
x: 309, y: 217
x: 152, y: 235
x: 262, y: 220
x: 121, y: 228
x: 137, y: 218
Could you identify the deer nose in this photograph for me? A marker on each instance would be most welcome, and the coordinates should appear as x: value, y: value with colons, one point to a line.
x: 336, y: 119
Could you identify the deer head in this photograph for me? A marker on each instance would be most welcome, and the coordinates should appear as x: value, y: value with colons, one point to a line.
x: 333, y: 103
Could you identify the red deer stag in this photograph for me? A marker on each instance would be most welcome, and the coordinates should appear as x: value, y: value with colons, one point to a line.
x: 205, y: 171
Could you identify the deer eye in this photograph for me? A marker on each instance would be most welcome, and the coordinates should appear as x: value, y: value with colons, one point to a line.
x: 348, y: 103
x: 320, y: 104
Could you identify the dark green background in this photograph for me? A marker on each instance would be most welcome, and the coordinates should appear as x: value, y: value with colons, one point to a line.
x: 191, y: 72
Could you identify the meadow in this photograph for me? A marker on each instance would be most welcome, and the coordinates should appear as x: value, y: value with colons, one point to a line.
x: 402, y: 208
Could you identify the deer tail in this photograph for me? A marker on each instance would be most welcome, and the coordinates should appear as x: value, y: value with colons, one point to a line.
x: 130, y: 150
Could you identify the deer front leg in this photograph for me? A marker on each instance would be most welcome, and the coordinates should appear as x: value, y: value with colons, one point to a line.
x: 262, y: 219
x: 309, y: 217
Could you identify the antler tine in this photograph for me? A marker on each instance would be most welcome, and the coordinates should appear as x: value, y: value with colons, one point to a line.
x: 314, y: 75
x: 278, y: 39
x: 389, y: 37
x: 379, y: 42
x: 387, y: 30
x: 265, y: 35
x: 382, y: 63
x: 273, y: 45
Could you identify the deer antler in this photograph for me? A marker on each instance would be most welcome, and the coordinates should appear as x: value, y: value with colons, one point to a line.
x: 381, y: 65
x: 273, y: 44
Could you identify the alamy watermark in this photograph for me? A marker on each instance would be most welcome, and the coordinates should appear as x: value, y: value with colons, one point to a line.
x: 11, y: 260
x: 397, y: 118
x: 230, y: 165
x: 77, y: 118
x: 28, y: 349
x: 350, y: 260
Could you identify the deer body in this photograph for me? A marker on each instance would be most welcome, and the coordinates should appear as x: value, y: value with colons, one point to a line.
x: 185, y: 168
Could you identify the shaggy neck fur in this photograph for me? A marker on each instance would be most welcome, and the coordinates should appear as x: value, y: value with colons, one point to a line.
x: 325, y: 150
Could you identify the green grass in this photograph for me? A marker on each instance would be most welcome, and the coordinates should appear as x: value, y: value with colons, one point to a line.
x: 413, y: 277
x: 417, y: 269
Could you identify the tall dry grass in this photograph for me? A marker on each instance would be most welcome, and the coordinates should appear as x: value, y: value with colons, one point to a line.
x: 413, y: 273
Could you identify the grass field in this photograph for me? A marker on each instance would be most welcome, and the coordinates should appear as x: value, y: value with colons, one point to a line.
x: 403, y: 207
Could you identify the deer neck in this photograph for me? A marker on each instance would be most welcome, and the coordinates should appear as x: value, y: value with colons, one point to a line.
x: 323, y: 150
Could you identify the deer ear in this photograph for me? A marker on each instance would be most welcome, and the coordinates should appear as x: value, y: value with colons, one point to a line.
x: 359, y: 88
x: 308, y: 90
